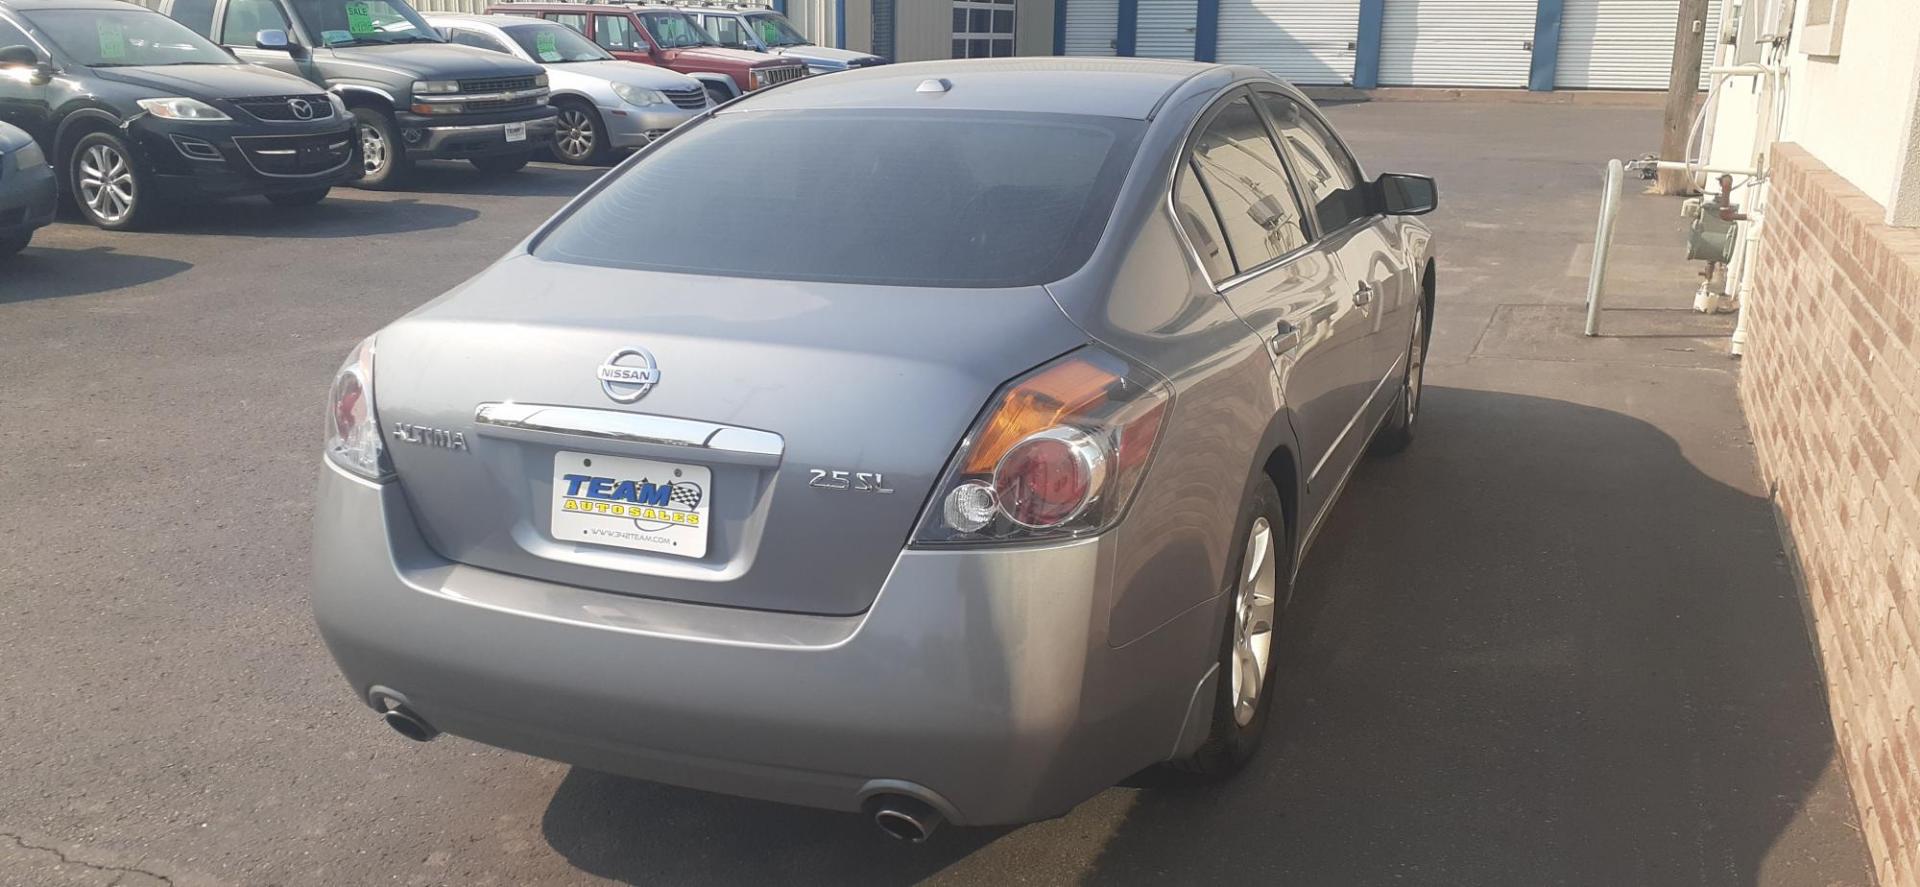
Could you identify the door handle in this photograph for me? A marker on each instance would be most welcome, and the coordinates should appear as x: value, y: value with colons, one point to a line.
x: 1286, y: 338
x: 1364, y: 294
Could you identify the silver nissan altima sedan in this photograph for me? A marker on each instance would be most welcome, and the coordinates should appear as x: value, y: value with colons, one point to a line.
x: 967, y: 482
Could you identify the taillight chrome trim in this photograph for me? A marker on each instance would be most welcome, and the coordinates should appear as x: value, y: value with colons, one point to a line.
x: 642, y: 428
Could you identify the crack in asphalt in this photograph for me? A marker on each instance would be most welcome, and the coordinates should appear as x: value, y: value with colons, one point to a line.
x: 68, y: 860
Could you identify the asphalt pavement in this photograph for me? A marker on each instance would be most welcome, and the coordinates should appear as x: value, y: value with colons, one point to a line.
x: 1556, y: 642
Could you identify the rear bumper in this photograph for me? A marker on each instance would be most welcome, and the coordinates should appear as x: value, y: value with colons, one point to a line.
x: 26, y: 200
x: 981, y: 682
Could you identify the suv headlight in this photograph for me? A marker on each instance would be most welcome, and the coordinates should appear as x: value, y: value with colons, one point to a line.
x: 29, y: 156
x: 179, y: 108
x: 353, y: 426
x: 540, y: 79
x: 639, y: 95
x: 435, y: 87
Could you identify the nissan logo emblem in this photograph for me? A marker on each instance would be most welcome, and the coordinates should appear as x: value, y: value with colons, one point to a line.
x: 301, y: 108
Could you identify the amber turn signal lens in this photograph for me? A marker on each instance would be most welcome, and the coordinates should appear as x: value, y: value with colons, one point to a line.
x: 1072, y: 386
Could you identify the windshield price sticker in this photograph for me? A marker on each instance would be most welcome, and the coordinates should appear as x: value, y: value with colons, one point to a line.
x: 543, y: 46
x: 113, y: 40
x: 359, y: 18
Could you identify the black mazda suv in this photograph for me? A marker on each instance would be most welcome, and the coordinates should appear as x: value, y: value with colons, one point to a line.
x: 137, y: 112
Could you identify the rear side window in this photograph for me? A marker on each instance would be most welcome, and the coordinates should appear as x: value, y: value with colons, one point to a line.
x: 616, y: 32
x: 1237, y: 162
x: 920, y: 198
x: 1327, y: 172
x: 572, y: 20
x: 1202, y: 222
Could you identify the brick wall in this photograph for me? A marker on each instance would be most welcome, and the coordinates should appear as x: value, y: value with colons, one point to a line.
x: 1831, y: 386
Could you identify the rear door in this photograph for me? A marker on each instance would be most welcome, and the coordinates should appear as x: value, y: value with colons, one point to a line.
x: 1240, y: 211
x: 1380, y: 292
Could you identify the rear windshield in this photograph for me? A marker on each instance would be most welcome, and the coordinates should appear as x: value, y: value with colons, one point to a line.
x: 912, y: 198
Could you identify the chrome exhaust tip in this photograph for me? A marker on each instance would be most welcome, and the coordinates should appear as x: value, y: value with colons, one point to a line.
x: 406, y: 723
x: 908, y: 819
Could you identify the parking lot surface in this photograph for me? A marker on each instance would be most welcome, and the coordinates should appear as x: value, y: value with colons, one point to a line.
x: 1584, y: 663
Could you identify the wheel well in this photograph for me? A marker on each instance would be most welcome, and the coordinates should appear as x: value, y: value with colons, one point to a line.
x: 1280, y: 468
x: 80, y: 128
x: 354, y: 98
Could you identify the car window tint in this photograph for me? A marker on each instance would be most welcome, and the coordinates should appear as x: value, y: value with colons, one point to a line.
x: 247, y: 18
x: 572, y: 20
x: 914, y: 198
x: 195, y: 14
x: 726, y: 30
x: 12, y: 36
x: 616, y: 32
x: 477, y: 40
x: 1236, y: 161
x: 1202, y: 223
x: 1327, y: 172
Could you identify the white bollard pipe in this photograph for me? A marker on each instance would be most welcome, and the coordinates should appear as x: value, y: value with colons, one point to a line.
x: 1603, y: 242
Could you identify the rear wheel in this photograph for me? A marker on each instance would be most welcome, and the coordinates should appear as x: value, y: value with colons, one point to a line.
x: 385, y: 160
x: 108, y: 184
x: 1244, y: 692
x: 1396, y: 433
x: 579, y: 138
x: 298, y: 198
x: 500, y: 164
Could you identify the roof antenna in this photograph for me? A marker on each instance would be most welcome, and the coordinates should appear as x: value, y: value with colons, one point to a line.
x: 936, y: 84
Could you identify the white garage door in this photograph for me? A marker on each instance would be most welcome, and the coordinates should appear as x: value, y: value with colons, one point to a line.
x: 1164, y: 29
x: 1456, y: 42
x: 1091, y: 26
x: 1621, y: 44
x: 1305, y: 41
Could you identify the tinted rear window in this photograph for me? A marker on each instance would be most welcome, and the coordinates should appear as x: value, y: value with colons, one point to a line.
x: 908, y: 198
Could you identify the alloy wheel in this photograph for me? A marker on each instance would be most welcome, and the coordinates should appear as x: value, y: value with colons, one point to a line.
x: 373, y: 149
x: 576, y: 136
x: 1253, y: 608
x: 106, y: 183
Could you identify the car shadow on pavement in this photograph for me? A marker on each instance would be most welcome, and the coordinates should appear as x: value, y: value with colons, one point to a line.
x: 537, y: 180
x: 340, y: 215
x: 43, y: 272
x: 1540, y: 647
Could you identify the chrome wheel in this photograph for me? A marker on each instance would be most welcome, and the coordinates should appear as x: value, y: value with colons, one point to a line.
x: 1253, y: 621
x: 106, y: 183
x: 1416, y: 365
x: 373, y: 149
x: 575, y: 137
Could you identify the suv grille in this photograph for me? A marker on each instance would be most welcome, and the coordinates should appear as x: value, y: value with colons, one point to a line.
x: 297, y: 155
x: 689, y: 99
x: 771, y: 76
x: 281, y: 108
x: 496, y: 84
x: 502, y: 104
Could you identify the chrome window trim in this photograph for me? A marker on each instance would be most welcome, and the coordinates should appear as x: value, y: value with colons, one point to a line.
x: 641, y: 428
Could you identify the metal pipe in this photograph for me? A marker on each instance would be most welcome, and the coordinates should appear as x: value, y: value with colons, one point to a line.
x: 1603, y: 242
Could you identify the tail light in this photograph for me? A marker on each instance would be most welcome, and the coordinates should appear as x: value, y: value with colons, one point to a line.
x: 1057, y: 455
x: 353, y: 428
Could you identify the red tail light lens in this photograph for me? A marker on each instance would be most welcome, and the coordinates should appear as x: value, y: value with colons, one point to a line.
x: 353, y: 430
x: 1058, y: 454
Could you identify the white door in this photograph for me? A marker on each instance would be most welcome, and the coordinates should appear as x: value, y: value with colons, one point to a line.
x: 1165, y: 29
x: 1622, y: 44
x: 1457, y: 42
x: 1305, y: 41
x: 1092, y: 26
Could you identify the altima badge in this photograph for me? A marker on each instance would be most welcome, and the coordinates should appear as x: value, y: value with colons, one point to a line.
x: 629, y: 374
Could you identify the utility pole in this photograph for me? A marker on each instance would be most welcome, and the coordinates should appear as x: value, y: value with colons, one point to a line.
x: 1689, y: 41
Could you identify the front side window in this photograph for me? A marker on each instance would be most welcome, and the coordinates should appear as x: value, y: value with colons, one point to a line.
x: 616, y: 32
x: 570, y: 20
x: 982, y: 29
x: 775, y: 30
x: 674, y: 30
x: 1328, y: 175
x: 118, y: 38
x: 914, y: 198
x: 553, y: 44
x: 726, y: 31
x: 1241, y: 171
x: 247, y: 18
x: 362, y: 22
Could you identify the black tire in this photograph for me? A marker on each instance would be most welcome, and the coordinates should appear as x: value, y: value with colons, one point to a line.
x: 385, y: 158
x: 1232, y: 740
x: 580, y: 136
x: 308, y: 197
x: 717, y: 94
x: 1396, y: 433
x: 500, y: 164
x: 11, y: 246
x: 110, y: 185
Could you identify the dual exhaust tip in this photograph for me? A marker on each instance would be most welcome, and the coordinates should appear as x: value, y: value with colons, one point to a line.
x: 901, y: 817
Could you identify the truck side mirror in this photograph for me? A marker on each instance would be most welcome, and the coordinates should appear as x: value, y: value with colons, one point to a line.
x: 272, y: 38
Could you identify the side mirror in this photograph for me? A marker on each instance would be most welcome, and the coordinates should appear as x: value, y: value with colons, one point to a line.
x: 1402, y: 194
x: 272, y: 38
x: 23, y: 56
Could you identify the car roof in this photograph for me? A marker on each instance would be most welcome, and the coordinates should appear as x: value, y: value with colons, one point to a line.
x: 1106, y: 87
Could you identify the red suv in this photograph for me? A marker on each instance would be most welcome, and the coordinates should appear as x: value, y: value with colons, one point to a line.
x: 657, y: 35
